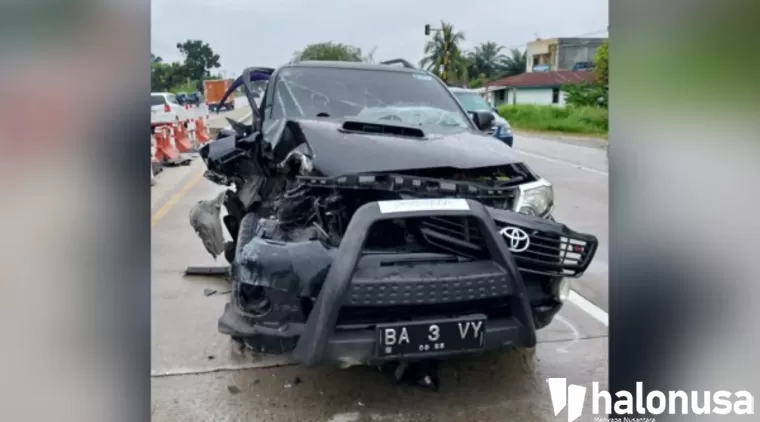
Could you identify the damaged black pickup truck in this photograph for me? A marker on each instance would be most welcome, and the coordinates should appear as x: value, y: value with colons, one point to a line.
x: 373, y: 220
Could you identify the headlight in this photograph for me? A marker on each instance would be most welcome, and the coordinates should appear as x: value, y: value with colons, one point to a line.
x: 536, y: 198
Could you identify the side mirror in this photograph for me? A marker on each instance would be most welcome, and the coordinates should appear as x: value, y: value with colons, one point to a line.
x: 495, y: 110
x: 483, y: 119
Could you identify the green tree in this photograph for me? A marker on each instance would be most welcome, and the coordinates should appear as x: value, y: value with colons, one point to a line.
x: 165, y: 76
x: 597, y: 93
x: 199, y: 59
x: 332, y: 52
x: 486, y: 60
x: 585, y: 95
x: 514, y: 63
x: 602, y: 64
x: 443, y: 55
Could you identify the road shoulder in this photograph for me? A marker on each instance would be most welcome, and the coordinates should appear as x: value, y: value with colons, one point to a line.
x: 585, y: 141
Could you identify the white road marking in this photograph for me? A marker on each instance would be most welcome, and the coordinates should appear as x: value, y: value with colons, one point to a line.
x: 567, y: 163
x: 576, y: 333
x: 596, y: 312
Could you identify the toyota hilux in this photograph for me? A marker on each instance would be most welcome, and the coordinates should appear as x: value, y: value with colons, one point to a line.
x: 373, y: 220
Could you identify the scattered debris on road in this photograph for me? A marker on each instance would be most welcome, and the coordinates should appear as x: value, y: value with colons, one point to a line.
x: 423, y: 373
x: 211, y: 292
x: 233, y: 389
x: 208, y: 271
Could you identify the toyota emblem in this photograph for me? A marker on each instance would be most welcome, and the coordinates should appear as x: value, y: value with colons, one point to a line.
x: 517, y: 239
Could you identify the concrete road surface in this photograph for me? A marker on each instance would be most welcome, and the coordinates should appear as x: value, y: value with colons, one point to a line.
x: 198, y: 376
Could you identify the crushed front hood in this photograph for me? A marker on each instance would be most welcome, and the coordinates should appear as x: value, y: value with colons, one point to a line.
x: 336, y: 152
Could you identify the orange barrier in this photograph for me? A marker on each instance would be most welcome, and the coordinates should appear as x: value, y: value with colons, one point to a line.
x: 153, y: 160
x: 201, y: 134
x: 180, y: 138
x: 165, y: 148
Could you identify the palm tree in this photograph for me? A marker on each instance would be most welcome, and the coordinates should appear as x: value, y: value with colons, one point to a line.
x: 443, y: 55
x: 487, y: 59
x: 515, y: 63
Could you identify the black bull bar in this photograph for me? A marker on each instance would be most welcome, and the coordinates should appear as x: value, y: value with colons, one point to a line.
x: 320, y: 325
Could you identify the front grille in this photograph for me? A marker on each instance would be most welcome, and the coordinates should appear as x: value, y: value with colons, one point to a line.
x: 566, y: 255
x: 459, y: 235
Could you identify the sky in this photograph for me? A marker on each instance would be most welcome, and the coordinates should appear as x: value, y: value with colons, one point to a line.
x: 267, y: 33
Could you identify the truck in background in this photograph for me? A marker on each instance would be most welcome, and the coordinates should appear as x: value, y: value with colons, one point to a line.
x: 213, y: 91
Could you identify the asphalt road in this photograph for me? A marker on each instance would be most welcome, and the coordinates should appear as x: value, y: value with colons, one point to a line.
x: 198, y: 376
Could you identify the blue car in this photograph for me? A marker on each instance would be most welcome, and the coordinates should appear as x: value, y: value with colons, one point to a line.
x: 472, y: 102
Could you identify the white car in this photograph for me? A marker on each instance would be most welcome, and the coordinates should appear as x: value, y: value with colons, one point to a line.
x: 164, y: 108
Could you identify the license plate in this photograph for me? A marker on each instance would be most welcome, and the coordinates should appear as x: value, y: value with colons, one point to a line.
x: 431, y: 337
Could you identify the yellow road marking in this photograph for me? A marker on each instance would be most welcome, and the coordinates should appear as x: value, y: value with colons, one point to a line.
x: 175, y: 198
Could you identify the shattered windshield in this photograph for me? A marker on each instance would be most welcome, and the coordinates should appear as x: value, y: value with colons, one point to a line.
x: 412, y: 98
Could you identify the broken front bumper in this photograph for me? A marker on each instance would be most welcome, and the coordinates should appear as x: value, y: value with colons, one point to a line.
x: 342, y: 279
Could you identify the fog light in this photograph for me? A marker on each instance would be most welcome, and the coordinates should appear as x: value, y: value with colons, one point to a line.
x: 562, y: 290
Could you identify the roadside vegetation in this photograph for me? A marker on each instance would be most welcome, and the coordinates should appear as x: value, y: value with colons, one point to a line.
x: 580, y: 120
x: 586, y: 111
x: 185, y: 76
x: 443, y: 55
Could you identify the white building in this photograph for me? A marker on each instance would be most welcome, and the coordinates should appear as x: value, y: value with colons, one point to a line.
x: 541, y: 88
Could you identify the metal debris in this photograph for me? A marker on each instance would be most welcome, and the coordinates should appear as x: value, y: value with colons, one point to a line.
x: 423, y: 373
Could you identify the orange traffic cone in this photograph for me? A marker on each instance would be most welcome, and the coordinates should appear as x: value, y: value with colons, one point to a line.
x: 166, y: 149
x: 155, y: 164
x: 180, y: 138
x: 201, y: 135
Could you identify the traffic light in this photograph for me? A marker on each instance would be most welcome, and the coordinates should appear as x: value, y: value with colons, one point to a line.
x: 427, y: 29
